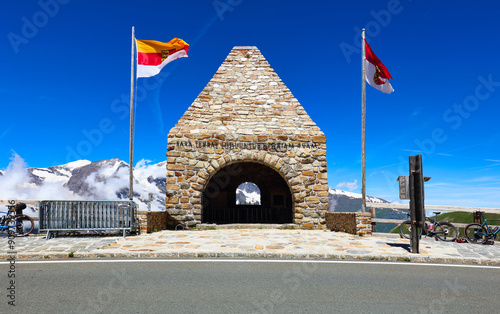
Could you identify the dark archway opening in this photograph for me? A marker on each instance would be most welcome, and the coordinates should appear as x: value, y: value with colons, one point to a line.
x: 219, y: 196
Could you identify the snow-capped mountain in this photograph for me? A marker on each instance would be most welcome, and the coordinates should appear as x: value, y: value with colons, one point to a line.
x: 100, y: 180
x: 343, y: 201
x: 248, y: 194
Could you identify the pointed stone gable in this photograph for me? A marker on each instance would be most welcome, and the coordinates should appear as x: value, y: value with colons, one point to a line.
x: 246, y: 126
x: 246, y: 97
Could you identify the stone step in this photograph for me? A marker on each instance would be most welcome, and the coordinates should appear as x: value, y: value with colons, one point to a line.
x: 246, y: 226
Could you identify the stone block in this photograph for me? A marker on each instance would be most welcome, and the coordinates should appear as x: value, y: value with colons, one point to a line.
x: 175, y: 167
x: 319, y: 139
x: 173, y: 187
x: 172, y: 200
x: 321, y: 188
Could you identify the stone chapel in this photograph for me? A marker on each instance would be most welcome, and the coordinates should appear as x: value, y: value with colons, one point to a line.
x: 246, y: 126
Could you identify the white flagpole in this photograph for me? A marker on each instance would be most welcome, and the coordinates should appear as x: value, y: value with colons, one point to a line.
x: 132, y: 81
x: 363, y: 112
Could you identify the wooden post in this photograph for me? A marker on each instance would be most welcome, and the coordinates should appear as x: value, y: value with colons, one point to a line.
x: 374, y: 224
x: 477, y: 217
x: 417, y: 211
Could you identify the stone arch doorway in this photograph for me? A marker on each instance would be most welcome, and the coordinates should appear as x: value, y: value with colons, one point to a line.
x: 219, y: 196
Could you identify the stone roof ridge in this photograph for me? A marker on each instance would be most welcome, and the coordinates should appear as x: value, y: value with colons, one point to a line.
x: 244, y: 47
x: 244, y: 95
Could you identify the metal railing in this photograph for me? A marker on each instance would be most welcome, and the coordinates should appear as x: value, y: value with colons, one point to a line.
x: 55, y: 216
x: 247, y: 214
x: 427, y: 207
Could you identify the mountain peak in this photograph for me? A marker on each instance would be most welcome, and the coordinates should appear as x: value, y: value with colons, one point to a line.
x: 343, y: 201
x: 76, y: 164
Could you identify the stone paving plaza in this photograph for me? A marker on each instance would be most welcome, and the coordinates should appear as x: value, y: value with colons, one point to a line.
x: 252, y: 243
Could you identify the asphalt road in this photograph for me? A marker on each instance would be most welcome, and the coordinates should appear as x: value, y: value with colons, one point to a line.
x: 259, y: 286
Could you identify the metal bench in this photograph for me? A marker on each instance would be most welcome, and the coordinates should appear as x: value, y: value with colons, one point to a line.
x: 63, y: 216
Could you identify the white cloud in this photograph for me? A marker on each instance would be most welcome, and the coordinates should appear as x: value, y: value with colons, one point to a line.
x: 105, y: 182
x: 15, y: 184
x: 109, y: 180
x: 142, y: 173
x: 351, y: 186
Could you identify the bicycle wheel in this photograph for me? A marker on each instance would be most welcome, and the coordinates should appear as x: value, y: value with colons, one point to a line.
x: 20, y: 225
x: 445, y: 231
x: 475, y: 233
x: 405, y: 229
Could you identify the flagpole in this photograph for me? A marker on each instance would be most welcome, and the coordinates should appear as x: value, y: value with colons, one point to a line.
x: 363, y: 113
x: 132, y: 81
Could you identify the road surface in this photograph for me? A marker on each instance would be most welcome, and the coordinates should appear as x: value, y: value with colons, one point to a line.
x: 247, y: 286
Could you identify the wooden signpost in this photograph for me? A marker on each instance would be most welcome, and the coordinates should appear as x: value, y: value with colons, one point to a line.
x: 412, y: 187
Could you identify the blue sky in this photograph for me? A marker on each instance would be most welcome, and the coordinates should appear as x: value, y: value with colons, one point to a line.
x: 66, y: 80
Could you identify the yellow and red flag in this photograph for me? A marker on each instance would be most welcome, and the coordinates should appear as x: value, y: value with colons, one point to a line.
x: 153, y: 55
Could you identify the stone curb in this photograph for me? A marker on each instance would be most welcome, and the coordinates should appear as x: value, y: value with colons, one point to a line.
x: 255, y: 244
x: 254, y: 255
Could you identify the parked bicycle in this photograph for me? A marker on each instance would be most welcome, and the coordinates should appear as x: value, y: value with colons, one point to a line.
x: 480, y: 233
x: 18, y: 225
x: 443, y: 230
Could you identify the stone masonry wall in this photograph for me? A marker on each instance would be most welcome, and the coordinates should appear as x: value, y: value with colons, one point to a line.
x: 246, y: 114
x: 354, y: 223
x: 150, y: 221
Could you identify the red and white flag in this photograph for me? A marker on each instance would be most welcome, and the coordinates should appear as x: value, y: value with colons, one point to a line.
x: 377, y: 74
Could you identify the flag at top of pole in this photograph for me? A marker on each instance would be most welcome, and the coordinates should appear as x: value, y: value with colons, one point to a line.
x: 153, y: 55
x: 377, y: 74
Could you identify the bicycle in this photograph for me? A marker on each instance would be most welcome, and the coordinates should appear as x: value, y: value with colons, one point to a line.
x: 480, y: 233
x: 443, y: 231
x: 18, y: 225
